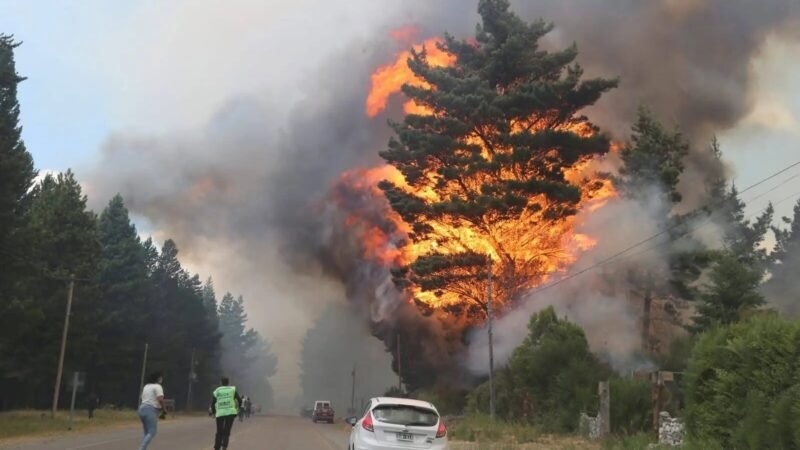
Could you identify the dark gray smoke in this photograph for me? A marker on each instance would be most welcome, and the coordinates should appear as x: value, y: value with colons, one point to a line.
x: 245, y: 196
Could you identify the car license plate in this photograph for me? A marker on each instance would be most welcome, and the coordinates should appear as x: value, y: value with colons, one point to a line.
x: 405, y: 436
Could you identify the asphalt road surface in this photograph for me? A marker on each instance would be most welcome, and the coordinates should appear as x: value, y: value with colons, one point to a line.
x: 256, y: 433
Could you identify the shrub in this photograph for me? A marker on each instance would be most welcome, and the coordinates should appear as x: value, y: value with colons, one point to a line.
x: 631, y: 410
x: 742, y: 385
x: 551, y: 377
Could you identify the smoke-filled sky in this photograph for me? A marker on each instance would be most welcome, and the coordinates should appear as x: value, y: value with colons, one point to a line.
x: 219, y: 121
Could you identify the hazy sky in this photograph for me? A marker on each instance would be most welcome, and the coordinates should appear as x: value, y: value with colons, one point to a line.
x: 100, y: 67
x: 96, y: 67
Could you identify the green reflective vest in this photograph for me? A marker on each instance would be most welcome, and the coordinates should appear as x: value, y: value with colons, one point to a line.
x: 226, y: 401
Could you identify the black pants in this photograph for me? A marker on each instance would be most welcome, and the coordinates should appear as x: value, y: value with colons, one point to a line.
x: 224, y: 425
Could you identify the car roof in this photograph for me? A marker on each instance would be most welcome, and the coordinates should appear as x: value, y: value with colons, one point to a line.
x: 403, y: 401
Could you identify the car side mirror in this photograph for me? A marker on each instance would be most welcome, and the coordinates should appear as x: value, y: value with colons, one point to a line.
x: 352, y: 421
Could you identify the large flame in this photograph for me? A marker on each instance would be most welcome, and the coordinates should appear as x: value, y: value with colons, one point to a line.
x: 529, y: 249
x: 388, y: 79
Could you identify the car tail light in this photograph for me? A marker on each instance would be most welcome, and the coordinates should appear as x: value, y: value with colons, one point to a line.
x: 442, y: 431
x: 367, y: 422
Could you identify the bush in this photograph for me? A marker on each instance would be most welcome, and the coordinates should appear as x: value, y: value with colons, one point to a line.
x: 631, y: 410
x: 551, y: 378
x: 448, y: 400
x: 742, y: 385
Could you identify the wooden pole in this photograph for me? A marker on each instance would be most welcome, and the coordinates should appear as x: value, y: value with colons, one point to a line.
x: 60, y: 370
x: 399, y: 367
x: 491, y: 343
x: 141, y: 380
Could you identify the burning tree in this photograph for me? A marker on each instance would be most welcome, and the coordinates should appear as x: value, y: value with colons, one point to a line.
x: 492, y: 157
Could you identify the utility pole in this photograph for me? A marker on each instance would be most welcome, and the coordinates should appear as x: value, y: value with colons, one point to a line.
x: 60, y: 369
x: 353, y: 392
x: 141, y: 380
x: 491, y: 344
x: 191, y: 380
x: 399, y: 367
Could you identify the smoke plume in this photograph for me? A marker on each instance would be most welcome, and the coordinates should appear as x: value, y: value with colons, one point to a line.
x: 247, y: 196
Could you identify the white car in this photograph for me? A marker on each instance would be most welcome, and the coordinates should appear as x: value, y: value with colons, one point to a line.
x: 398, y: 423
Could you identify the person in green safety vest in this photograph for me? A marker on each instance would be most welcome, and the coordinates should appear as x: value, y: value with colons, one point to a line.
x: 225, y: 406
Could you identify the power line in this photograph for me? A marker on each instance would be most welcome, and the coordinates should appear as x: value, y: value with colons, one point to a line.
x: 623, y: 252
x: 707, y: 221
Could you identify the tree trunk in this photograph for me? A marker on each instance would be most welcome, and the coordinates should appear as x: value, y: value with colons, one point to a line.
x: 648, y: 301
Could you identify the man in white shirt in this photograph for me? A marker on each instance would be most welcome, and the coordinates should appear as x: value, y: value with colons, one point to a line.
x: 152, y: 403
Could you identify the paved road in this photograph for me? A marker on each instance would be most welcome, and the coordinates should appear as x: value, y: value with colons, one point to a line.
x: 257, y: 433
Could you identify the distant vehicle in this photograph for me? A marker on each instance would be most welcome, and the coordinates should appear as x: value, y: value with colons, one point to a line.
x: 323, y: 412
x: 305, y: 411
x: 397, y: 423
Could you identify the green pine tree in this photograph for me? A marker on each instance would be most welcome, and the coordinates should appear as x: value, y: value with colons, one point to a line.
x: 782, y: 288
x: 16, y: 176
x: 652, y: 161
x: 210, y: 303
x: 16, y: 164
x: 650, y: 174
x: 125, y: 311
x: 505, y: 125
x: 64, y: 239
x: 237, y: 340
x: 731, y: 293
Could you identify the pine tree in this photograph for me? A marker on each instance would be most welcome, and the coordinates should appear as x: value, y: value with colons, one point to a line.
x: 650, y: 173
x: 168, y: 265
x: 782, y: 288
x: 740, y: 236
x: 732, y: 291
x: 125, y: 312
x: 237, y: 339
x: 652, y: 161
x: 16, y: 164
x: 64, y: 239
x: 16, y: 176
x: 210, y: 303
x: 150, y: 256
x: 489, y: 160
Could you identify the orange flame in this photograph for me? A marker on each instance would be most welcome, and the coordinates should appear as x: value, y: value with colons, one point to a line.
x: 388, y: 79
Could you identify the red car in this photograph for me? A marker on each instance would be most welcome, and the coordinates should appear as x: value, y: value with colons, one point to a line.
x: 323, y: 412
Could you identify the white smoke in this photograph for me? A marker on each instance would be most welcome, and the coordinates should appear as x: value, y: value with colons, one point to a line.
x: 602, y: 300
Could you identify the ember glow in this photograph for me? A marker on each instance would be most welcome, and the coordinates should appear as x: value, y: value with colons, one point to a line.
x: 527, y: 249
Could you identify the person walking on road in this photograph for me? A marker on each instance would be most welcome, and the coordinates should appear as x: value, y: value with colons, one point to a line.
x: 225, y: 406
x: 92, y: 403
x: 241, y: 408
x: 152, y: 403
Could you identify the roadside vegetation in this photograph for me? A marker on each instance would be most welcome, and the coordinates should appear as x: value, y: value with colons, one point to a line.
x: 35, y: 423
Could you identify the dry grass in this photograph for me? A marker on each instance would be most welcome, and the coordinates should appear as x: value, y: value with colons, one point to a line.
x: 541, y: 443
x: 28, y: 423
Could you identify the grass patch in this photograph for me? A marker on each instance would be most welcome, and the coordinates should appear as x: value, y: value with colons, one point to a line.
x: 25, y: 423
x: 479, y: 432
x: 543, y: 443
x: 644, y: 441
x: 482, y: 428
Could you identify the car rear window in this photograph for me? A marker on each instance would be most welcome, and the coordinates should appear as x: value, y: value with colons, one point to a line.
x: 406, y: 415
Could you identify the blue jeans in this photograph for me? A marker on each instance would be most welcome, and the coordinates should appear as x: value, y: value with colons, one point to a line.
x: 149, y: 417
